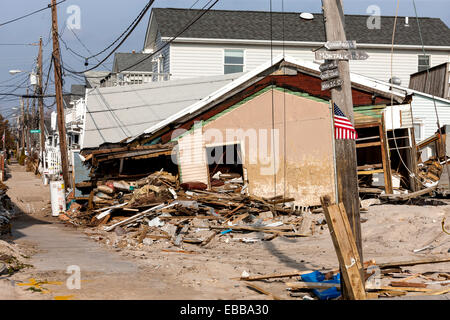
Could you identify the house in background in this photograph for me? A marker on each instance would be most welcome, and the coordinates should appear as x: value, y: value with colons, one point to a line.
x: 224, y: 41
x: 135, y: 68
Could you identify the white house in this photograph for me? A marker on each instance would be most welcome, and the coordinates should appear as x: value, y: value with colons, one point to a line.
x: 225, y: 41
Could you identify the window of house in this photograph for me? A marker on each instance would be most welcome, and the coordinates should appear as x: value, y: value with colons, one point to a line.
x: 418, y: 131
x: 424, y: 62
x: 234, y: 61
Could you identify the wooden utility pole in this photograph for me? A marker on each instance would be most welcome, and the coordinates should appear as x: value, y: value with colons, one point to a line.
x: 40, y: 92
x: 27, y: 126
x: 22, y: 127
x: 346, y: 165
x: 59, y: 97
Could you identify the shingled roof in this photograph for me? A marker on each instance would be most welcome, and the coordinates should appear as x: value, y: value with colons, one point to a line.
x: 255, y: 25
x: 124, y: 61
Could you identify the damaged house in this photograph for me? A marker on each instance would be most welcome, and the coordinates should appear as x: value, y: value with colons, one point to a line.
x: 269, y: 130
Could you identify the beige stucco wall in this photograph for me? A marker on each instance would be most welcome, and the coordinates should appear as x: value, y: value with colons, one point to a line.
x: 303, y: 137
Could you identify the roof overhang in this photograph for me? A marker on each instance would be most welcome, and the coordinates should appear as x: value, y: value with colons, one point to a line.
x: 300, y: 43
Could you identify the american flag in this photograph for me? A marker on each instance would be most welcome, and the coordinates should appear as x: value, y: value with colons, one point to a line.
x: 343, y: 128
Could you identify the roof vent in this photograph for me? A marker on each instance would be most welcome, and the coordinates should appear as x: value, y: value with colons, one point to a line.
x: 406, y: 21
x: 306, y: 16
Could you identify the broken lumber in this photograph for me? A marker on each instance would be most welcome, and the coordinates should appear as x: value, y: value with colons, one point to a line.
x: 407, y: 284
x: 261, y: 290
x: 403, y: 197
x: 346, y: 250
x: 135, y: 217
x: 412, y: 263
x: 312, y: 285
x: 276, y: 275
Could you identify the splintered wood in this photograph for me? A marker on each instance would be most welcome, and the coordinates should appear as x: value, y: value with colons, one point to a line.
x: 345, y: 246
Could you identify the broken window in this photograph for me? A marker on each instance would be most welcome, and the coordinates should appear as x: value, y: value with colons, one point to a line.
x: 225, y: 164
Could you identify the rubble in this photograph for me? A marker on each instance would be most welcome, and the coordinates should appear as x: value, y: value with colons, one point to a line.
x: 161, y: 208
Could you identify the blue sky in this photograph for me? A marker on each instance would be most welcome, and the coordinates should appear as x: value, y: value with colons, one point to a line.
x: 103, y: 20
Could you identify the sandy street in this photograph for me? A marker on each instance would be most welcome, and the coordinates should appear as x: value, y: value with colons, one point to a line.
x: 158, y: 270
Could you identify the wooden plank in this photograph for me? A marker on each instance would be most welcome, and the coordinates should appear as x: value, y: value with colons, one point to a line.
x: 370, y: 166
x: 346, y: 250
x: 312, y: 285
x: 407, y: 284
x: 388, y: 288
x: 367, y: 172
x: 385, y: 157
x: 266, y: 230
x: 368, y: 144
x: 412, y: 262
x: 408, y: 195
x: 261, y: 290
x: 276, y: 275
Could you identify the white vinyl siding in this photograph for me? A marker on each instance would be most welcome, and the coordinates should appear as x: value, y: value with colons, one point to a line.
x: 188, y: 60
x: 424, y: 112
x: 192, y: 161
x: 166, y: 57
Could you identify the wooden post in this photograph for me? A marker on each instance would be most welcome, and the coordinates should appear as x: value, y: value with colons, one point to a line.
x: 385, y: 154
x: 27, y: 126
x: 41, y: 104
x: 346, y: 251
x: 346, y: 164
x: 22, y: 138
x: 59, y: 97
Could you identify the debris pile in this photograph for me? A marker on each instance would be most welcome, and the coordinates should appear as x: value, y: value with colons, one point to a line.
x: 430, y: 171
x: 5, y: 213
x: 382, y: 281
x: 158, y: 207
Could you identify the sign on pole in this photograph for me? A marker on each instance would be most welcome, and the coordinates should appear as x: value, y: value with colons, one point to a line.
x: 341, y: 55
x: 329, y: 74
x: 35, y: 131
x: 330, y: 84
x: 329, y: 65
x: 340, y: 45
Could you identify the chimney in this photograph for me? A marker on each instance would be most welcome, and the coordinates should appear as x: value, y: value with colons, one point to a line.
x: 406, y: 21
x: 133, y: 51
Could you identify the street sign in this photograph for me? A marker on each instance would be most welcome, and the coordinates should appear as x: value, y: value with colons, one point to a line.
x: 328, y: 65
x: 329, y: 74
x: 340, y: 45
x: 330, y: 84
x: 35, y: 131
x: 341, y: 55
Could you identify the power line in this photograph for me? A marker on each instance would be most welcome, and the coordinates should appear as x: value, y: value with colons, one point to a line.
x: 133, y: 27
x: 203, y: 12
x: 29, y: 14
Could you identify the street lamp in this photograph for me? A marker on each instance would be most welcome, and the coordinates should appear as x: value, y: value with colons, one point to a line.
x: 13, y: 72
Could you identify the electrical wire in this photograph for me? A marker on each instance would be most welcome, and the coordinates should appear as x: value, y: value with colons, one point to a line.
x: 129, y: 32
x: 412, y: 174
x: 203, y: 12
x: 273, y: 107
x: 30, y: 14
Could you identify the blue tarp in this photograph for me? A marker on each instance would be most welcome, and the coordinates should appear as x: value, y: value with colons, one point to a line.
x: 327, y: 294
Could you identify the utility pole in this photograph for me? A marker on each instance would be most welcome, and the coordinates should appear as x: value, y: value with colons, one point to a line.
x: 59, y: 97
x: 22, y: 126
x: 41, y: 104
x: 346, y: 165
x: 27, y: 127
